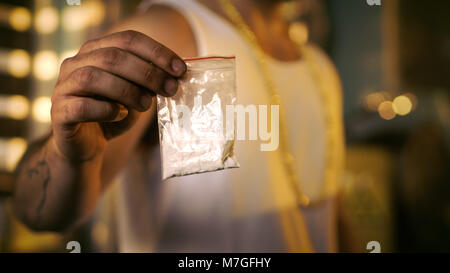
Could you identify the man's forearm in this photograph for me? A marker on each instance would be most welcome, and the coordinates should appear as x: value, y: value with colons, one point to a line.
x: 52, y: 193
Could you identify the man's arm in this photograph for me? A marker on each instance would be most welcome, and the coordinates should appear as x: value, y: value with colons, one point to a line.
x: 100, y: 110
x: 47, y: 189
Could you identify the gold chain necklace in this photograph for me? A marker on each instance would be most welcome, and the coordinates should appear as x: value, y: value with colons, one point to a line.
x: 303, y: 200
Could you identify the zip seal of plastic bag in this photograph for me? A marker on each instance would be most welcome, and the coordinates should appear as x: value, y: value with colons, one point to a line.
x: 193, y: 123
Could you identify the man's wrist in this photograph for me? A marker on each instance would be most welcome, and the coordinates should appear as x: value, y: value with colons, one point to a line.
x: 54, y: 153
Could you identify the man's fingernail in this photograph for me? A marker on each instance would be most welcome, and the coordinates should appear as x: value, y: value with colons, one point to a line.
x: 171, y: 86
x: 178, y: 66
x: 123, y: 113
x: 146, y: 101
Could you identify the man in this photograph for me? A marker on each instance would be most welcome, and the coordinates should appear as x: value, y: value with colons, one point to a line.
x: 103, y: 103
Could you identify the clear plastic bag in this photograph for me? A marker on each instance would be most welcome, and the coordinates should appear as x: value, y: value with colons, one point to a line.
x: 192, y: 124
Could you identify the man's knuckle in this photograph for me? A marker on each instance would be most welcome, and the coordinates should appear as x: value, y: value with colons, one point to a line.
x: 85, y: 76
x: 67, y: 62
x: 87, y: 45
x: 125, y: 93
x: 149, y: 73
x: 77, y: 109
x: 128, y: 37
x: 54, y: 99
x: 53, y: 109
x: 111, y: 57
x: 158, y: 51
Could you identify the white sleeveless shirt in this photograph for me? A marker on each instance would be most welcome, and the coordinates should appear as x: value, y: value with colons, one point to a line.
x: 250, y: 209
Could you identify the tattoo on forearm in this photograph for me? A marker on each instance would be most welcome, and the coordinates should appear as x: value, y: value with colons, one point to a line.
x: 42, y: 170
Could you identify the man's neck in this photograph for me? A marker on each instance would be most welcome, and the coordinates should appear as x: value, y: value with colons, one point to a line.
x: 265, y: 19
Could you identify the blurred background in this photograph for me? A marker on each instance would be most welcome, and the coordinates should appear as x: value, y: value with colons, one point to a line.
x: 394, y: 62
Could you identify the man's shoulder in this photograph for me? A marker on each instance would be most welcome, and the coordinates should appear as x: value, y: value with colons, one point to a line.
x: 164, y: 24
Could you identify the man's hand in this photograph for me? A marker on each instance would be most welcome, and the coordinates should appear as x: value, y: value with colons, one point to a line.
x: 98, y: 117
x: 102, y: 89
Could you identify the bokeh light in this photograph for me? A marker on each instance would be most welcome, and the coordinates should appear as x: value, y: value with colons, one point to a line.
x: 20, y: 19
x: 402, y: 105
x: 11, y: 150
x: 77, y: 18
x: 386, y: 110
x: 45, y: 65
x: 96, y: 11
x: 41, y: 109
x: 18, y: 64
x: 414, y: 100
x: 46, y: 20
x: 74, y: 18
x: 372, y: 101
x: 15, y: 107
